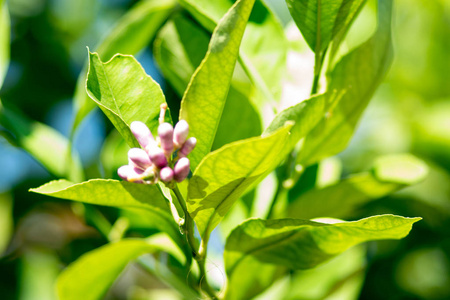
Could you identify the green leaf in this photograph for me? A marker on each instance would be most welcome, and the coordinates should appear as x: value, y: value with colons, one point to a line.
x: 250, y: 278
x: 224, y: 175
x: 93, y: 273
x: 130, y: 35
x: 263, y: 48
x: 107, y: 192
x: 6, y: 220
x: 179, y: 49
x: 4, y: 40
x: 125, y: 93
x: 44, y: 143
x: 205, y: 97
x: 356, y: 75
x: 320, y: 21
x: 301, y: 244
x: 340, y: 278
x: 305, y: 116
x: 389, y: 174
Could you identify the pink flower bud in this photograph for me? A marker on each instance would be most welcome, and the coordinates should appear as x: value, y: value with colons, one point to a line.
x: 181, y: 169
x: 157, y: 156
x: 180, y: 133
x: 188, y: 146
x: 141, y: 133
x: 165, y: 133
x: 166, y: 174
x: 139, y: 158
x: 129, y: 173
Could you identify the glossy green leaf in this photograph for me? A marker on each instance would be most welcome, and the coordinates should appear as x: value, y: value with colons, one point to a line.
x: 205, y: 97
x: 44, y: 143
x: 107, y: 192
x: 263, y: 48
x: 125, y: 93
x: 92, y: 274
x: 224, y: 175
x: 179, y: 49
x: 321, y: 20
x: 357, y: 74
x: 389, y: 174
x: 301, y: 244
x: 4, y: 40
x: 305, y: 116
x: 129, y: 36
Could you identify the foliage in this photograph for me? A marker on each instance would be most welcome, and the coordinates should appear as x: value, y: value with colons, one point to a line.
x: 224, y: 69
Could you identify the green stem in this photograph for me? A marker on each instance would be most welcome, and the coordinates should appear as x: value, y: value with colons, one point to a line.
x: 188, y: 228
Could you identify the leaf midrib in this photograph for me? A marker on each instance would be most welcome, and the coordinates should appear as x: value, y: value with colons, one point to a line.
x: 110, y: 89
x: 237, y: 186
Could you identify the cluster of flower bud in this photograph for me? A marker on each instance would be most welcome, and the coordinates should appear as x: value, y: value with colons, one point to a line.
x: 156, y: 160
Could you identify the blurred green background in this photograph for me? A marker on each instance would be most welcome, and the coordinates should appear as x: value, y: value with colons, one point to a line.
x: 409, y: 113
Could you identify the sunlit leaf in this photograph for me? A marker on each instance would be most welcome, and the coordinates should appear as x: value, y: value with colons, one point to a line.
x: 305, y: 116
x: 357, y: 74
x: 44, y: 143
x: 129, y: 36
x: 389, y: 174
x: 6, y: 220
x: 301, y: 244
x: 205, y: 97
x: 264, y: 46
x: 107, y: 192
x: 179, y: 49
x: 321, y: 20
x: 92, y: 274
x: 125, y: 93
x: 4, y: 40
x: 224, y: 175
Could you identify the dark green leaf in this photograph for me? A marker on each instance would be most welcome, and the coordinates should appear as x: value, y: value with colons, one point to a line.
x: 356, y: 75
x: 125, y: 93
x: 224, y: 175
x: 301, y: 244
x: 321, y: 20
x: 205, y: 97
x: 130, y: 35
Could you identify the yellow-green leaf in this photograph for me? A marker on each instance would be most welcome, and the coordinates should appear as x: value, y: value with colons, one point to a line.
x: 205, y: 97
x: 129, y: 36
x: 124, y: 93
x: 302, y: 244
x: 224, y: 175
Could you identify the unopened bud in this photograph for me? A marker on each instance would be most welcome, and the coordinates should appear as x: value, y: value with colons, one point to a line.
x: 166, y: 174
x: 141, y: 133
x: 131, y: 174
x: 188, y: 146
x: 157, y: 156
x: 181, y: 169
x: 180, y: 133
x: 165, y: 133
x: 139, y: 158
